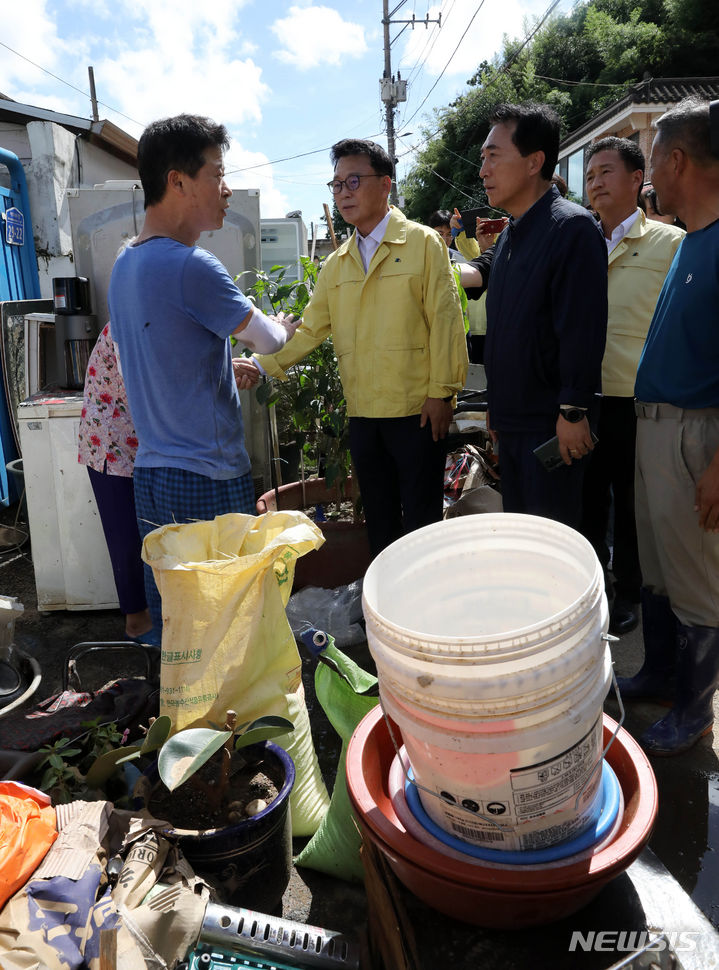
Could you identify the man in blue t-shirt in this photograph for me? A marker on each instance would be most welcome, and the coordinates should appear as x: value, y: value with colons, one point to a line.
x: 174, y: 308
x: 677, y: 472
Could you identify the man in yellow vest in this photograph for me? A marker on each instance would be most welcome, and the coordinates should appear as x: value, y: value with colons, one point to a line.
x: 389, y: 300
x: 640, y: 252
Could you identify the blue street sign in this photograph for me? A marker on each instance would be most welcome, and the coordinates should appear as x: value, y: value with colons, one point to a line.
x: 14, y: 227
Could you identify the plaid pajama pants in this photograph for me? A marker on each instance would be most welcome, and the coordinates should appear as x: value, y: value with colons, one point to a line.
x: 165, y: 496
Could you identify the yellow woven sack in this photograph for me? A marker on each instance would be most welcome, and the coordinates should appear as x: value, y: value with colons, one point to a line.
x: 226, y: 641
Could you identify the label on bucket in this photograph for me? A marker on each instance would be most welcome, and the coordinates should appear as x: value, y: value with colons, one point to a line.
x: 537, y: 808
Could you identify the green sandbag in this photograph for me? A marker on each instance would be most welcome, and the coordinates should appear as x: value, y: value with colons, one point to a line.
x: 342, y: 689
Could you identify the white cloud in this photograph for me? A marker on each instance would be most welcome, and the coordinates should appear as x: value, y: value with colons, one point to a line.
x: 274, y: 201
x: 181, y: 56
x: 33, y: 35
x: 149, y: 87
x: 159, y: 58
x: 181, y: 25
x: 312, y: 36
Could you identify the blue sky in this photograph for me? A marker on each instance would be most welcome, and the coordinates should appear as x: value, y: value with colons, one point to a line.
x: 287, y: 78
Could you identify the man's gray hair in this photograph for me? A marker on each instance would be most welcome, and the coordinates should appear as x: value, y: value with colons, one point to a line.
x: 687, y: 126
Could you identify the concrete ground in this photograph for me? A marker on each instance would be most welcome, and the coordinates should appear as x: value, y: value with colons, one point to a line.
x: 672, y: 887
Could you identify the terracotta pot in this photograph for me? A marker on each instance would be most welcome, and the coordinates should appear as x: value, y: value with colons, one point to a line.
x: 505, y: 898
x: 345, y: 554
x: 249, y: 864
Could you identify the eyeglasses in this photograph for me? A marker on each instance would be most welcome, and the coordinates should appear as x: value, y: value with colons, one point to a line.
x: 352, y: 182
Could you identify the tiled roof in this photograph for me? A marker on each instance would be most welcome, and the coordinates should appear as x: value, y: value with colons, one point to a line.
x: 656, y: 90
x: 659, y: 90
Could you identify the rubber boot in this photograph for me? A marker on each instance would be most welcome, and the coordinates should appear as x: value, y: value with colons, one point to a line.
x: 697, y: 677
x: 655, y: 679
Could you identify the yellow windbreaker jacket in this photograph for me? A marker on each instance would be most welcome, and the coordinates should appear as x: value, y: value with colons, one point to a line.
x: 637, y: 267
x: 398, y: 330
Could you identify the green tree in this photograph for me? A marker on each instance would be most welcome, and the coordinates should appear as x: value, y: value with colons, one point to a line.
x: 629, y: 49
x: 579, y: 63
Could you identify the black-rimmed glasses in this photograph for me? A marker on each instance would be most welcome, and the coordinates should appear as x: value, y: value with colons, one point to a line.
x: 352, y: 182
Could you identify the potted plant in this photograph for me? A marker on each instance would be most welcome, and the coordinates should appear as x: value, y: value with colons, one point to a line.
x: 310, y: 410
x: 225, y: 794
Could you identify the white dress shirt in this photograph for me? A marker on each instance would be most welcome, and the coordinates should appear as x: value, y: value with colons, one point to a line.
x: 369, y: 244
x: 620, y: 232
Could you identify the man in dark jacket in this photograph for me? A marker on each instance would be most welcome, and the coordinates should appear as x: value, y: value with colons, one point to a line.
x: 546, y: 316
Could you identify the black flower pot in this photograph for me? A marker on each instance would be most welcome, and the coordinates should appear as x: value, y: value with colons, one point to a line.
x: 248, y: 864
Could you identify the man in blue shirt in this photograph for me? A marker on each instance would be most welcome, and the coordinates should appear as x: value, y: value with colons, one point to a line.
x: 677, y: 404
x: 174, y: 308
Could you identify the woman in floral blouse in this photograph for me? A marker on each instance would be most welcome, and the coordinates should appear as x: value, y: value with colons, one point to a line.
x: 107, y: 445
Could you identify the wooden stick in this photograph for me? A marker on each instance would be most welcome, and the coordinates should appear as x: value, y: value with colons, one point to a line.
x: 108, y: 949
x: 227, y: 749
x: 391, y: 937
x: 330, y: 226
x: 274, y: 437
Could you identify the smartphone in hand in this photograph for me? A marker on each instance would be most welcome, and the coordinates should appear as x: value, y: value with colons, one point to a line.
x: 548, y: 452
x: 490, y: 227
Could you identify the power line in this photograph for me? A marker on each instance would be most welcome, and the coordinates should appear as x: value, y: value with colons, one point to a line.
x: 590, y: 84
x: 276, y: 161
x: 504, y: 68
x: 428, y: 168
x: 74, y: 88
x: 287, y: 158
x: 430, y: 42
x: 233, y: 171
x: 439, y: 78
x: 515, y: 55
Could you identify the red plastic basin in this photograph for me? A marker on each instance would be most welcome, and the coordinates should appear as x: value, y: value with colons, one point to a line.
x: 497, y: 898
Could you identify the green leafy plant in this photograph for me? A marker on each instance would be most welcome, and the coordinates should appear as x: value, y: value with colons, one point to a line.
x: 62, y: 770
x: 99, y: 764
x: 271, y: 289
x: 186, y: 751
x: 61, y: 778
x: 179, y: 756
x: 310, y: 406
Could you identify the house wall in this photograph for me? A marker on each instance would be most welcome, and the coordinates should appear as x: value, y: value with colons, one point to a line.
x: 49, y: 173
x: 13, y: 138
x: 630, y: 123
x: 98, y: 166
x: 54, y: 160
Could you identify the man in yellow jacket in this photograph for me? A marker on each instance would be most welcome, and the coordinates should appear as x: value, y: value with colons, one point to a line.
x: 388, y: 298
x: 640, y: 253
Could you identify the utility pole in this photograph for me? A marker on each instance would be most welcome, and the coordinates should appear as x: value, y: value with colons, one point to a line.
x: 392, y: 90
x: 93, y: 95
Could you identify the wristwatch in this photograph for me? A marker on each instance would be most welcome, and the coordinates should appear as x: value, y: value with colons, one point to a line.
x: 572, y: 414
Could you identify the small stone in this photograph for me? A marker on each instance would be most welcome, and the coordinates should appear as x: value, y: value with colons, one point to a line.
x: 255, y: 807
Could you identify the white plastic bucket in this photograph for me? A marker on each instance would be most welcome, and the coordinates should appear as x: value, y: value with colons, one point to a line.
x: 487, y: 635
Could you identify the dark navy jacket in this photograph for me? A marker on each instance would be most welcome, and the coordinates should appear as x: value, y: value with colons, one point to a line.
x: 546, y: 315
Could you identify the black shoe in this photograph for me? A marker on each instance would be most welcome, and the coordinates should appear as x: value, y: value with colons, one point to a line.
x: 623, y: 618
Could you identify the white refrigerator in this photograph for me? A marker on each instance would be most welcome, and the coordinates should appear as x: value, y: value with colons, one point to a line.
x: 69, y: 552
